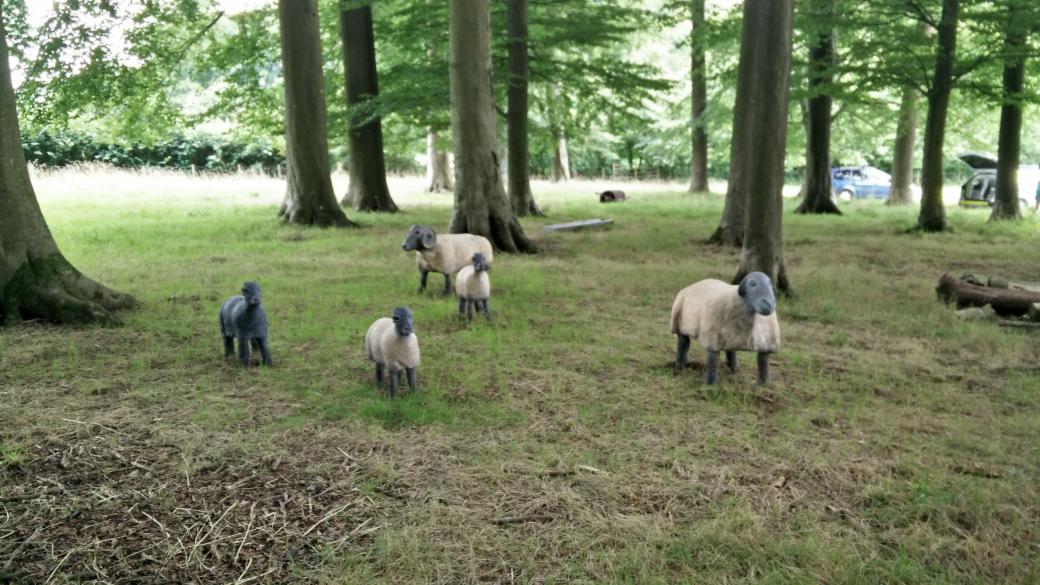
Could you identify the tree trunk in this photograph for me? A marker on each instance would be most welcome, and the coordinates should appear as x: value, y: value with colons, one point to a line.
x: 1009, y: 143
x: 698, y: 102
x: 901, y: 192
x: 481, y: 205
x: 561, y: 170
x: 765, y: 58
x: 36, y: 281
x: 309, y: 198
x: 438, y: 167
x: 818, y: 138
x: 519, y: 172
x: 367, y: 190
x: 933, y: 216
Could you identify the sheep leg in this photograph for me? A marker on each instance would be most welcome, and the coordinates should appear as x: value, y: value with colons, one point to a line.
x: 265, y: 351
x: 422, y: 279
x: 731, y: 360
x: 487, y: 309
x: 462, y: 305
x: 243, y: 351
x: 469, y: 310
x: 447, y: 284
x: 763, y: 368
x: 681, y: 351
x: 712, y: 375
x: 413, y: 379
x: 379, y: 375
x: 229, y: 346
x: 393, y: 383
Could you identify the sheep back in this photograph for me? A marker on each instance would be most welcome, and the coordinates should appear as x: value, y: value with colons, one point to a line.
x: 454, y: 251
x: 712, y: 312
x: 472, y: 285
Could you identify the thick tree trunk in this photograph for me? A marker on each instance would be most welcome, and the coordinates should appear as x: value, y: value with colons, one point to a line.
x: 309, y: 198
x: 933, y: 215
x: 1010, y: 141
x: 901, y: 192
x: 481, y: 205
x: 561, y: 170
x: 519, y: 170
x: 818, y: 138
x: 36, y: 281
x: 367, y: 190
x: 698, y: 102
x: 438, y: 167
x: 765, y: 57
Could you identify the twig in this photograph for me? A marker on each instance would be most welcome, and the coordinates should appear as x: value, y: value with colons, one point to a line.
x: 166, y: 533
x: 327, y: 516
x: 18, y: 550
x: 1019, y: 325
x: 521, y: 519
x: 79, y: 422
x: 60, y: 563
x: 591, y: 469
x: 244, y: 571
x: 246, y: 535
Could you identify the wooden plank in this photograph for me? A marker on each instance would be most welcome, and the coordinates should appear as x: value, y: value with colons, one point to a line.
x: 578, y: 225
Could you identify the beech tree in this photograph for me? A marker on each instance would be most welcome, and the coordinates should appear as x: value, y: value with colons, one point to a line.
x: 367, y: 190
x: 481, y: 206
x: 901, y: 191
x: 1009, y: 143
x: 36, y: 281
x: 309, y: 198
x: 932, y: 217
x: 698, y: 100
x: 760, y: 128
x: 519, y: 166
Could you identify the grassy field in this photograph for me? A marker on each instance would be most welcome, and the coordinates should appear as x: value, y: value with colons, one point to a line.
x: 895, y: 444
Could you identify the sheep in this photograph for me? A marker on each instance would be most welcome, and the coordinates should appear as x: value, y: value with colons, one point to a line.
x: 392, y: 344
x: 446, y: 253
x: 730, y: 318
x: 242, y: 317
x: 473, y: 286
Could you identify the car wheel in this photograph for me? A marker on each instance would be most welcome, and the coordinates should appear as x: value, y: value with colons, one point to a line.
x: 845, y: 195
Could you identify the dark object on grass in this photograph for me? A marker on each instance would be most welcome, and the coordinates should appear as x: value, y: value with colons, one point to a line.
x: 242, y: 318
x: 1004, y: 301
x: 578, y: 225
x: 612, y: 196
x: 392, y: 344
x: 729, y: 318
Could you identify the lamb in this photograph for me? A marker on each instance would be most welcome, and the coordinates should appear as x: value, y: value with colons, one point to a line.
x: 446, y: 253
x: 242, y: 317
x: 730, y: 318
x: 392, y: 344
x: 473, y: 286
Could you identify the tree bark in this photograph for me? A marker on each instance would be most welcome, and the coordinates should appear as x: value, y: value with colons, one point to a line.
x: 561, y: 170
x: 1010, y: 140
x: 367, y: 190
x: 698, y: 102
x: 765, y: 58
x: 481, y: 205
x: 933, y: 215
x: 818, y: 137
x: 520, y: 194
x: 901, y: 192
x: 309, y: 198
x: 36, y: 281
x: 438, y: 167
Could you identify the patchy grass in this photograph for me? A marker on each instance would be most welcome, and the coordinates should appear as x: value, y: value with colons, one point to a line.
x: 896, y: 443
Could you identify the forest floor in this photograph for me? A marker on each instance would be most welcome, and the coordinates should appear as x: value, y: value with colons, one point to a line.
x: 895, y: 443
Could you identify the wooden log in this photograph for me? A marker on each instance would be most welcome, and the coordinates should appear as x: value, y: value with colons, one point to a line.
x: 1003, y: 301
x: 1034, y: 312
x: 578, y: 225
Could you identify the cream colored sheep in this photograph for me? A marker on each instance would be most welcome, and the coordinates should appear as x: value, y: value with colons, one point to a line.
x: 446, y: 253
x: 392, y: 344
x: 473, y: 286
x: 730, y: 318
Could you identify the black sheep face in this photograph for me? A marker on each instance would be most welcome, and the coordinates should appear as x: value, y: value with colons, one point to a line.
x: 420, y: 237
x: 479, y: 262
x: 251, y: 293
x: 757, y: 291
x: 403, y: 321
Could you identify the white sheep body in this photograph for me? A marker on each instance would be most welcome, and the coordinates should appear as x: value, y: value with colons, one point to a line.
x: 384, y: 346
x: 452, y: 252
x: 472, y: 285
x: 712, y: 312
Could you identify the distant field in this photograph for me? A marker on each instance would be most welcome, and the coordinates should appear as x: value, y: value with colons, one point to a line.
x: 895, y: 444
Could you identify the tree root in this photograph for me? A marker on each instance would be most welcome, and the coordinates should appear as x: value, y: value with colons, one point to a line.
x: 53, y: 290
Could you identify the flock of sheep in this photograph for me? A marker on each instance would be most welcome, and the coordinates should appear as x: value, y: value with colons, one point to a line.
x: 721, y: 317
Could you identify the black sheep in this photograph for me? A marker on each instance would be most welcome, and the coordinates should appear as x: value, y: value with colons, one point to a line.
x: 243, y: 318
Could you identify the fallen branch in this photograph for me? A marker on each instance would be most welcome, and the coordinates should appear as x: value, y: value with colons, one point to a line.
x: 1003, y: 301
x: 521, y: 519
x: 21, y: 547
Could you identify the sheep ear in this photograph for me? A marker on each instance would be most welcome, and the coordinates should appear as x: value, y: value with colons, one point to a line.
x: 429, y: 239
x: 742, y: 289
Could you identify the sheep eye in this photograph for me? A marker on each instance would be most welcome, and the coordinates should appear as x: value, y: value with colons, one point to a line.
x: 752, y: 284
x: 396, y: 318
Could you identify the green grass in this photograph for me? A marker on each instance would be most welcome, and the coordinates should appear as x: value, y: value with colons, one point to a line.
x: 858, y: 464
